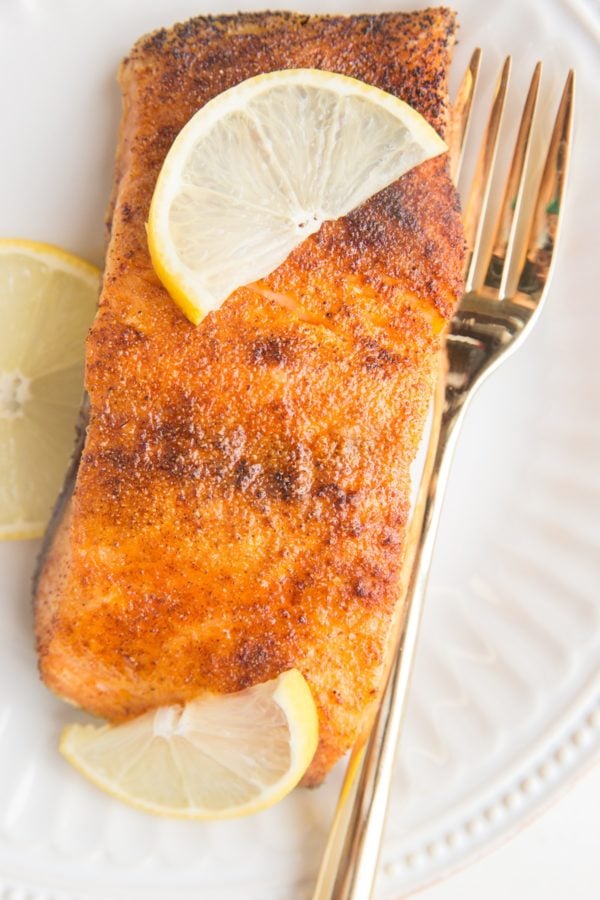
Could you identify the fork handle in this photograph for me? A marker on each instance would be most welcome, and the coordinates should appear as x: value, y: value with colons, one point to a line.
x: 349, y: 864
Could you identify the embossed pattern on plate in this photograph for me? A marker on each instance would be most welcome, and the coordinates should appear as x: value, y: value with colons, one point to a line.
x: 506, y: 700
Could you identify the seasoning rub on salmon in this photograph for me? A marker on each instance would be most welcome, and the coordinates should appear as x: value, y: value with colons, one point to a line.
x: 241, y: 499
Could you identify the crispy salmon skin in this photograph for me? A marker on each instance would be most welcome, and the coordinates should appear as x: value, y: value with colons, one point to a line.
x: 241, y: 502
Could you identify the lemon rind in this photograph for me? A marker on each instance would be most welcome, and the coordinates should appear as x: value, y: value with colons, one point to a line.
x: 40, y: 249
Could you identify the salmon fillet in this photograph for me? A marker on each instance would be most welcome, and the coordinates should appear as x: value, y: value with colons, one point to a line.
x: 241, y: 499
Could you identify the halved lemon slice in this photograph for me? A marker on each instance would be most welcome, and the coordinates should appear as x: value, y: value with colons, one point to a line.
x: 47, y: 303
x: 213, y: 758
x: 262, y: 166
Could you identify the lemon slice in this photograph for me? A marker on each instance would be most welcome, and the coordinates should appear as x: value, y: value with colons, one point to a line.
x: 213, y: 758
x: 47, y: 303
x: 262, y: 166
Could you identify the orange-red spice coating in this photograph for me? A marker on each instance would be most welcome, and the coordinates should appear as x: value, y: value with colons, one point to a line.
x: 242, y: 498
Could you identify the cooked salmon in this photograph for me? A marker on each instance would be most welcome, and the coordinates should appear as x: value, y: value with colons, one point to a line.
x: 239, y: 504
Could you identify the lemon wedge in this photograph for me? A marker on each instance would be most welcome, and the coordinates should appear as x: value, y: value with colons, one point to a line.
x: 47, y: 303
x: 262, y: 166
x: 216, y: 757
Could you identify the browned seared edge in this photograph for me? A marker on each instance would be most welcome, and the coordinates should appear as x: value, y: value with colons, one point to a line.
x: 243, y: 493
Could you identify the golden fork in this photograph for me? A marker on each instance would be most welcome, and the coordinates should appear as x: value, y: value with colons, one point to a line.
x: 496, y: 313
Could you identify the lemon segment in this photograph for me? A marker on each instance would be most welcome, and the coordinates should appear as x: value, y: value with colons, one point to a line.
x: 260, y: 168
x: 215, y: 757
x: 47, y: 303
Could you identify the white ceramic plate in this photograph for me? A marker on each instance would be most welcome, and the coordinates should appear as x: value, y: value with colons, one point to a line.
x: 504, y: 707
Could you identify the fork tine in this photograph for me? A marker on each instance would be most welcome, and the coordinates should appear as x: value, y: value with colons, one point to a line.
x: 476, y: 207
x: 461, y: 114
x: 543, y: 231
x: 503, y: 246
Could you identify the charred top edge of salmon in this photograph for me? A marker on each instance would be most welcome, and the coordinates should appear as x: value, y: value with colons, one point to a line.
x: 254, y: 22
x: 430, y: 32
